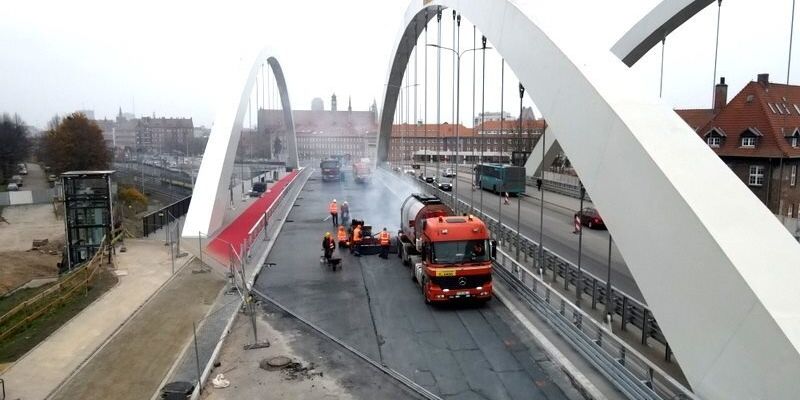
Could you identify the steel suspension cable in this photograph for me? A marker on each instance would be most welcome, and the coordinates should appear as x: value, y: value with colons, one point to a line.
x: 457, y: 98
x: 472, y: 147
x: 483, y: 115
x: 661, y: 79
x: 438, y: 92
x: 502, y: 137
x: 425, y: 96
x: 791, y: 39
x: 716, y: 56
x: 453, y: 86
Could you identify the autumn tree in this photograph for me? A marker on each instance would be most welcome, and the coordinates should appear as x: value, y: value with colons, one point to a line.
x: 14, y: 144
x: 75, y: 144
x: 131, y: 198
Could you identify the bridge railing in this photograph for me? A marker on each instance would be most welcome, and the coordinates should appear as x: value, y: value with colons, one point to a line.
x: 164, y: 216
x: 631, y: 372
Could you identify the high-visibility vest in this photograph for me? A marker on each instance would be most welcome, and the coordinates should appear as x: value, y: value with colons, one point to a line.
x: 342, y: 234
x: 357, y: 234
x: 384, y: 238
x: 332, y: 208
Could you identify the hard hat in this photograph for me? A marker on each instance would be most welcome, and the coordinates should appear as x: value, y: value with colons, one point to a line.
x: 327, y: 234
x: 334, y: 200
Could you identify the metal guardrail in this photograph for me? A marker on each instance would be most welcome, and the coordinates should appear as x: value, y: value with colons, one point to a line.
x: 157, y: 219
x: 632, y: 373
x: 629, y: 310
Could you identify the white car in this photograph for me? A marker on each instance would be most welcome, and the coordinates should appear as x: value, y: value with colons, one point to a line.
x: 12, y: 187
x: 448, y: 173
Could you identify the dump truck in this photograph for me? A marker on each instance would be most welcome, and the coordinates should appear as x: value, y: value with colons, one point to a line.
x: 450, y: 255
x: 331, y: 170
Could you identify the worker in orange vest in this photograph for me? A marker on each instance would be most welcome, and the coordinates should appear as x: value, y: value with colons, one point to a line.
x: 333, y: 208
x: 356, y: 243
x: 384, y: 239
x: 341, y: 235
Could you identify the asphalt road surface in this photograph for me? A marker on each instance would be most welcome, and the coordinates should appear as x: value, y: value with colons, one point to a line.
x: 558, y: 228
x: 459, y: 352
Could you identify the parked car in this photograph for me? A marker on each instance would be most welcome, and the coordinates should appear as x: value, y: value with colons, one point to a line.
x: 22, y: 168
x: 12, y: 187
x: 17, y: 179
x: 449, y: 173
x: 591, y: 218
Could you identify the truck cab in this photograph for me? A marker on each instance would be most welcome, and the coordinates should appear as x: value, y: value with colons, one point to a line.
x: 454, y: 259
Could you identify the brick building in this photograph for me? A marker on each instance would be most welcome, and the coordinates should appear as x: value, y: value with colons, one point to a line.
x: 757, y: 135
x: 495, y: 137
x: 163, y: 135
x: 322, y: 133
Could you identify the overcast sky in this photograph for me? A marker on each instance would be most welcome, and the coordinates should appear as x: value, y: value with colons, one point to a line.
x: 170, y: 57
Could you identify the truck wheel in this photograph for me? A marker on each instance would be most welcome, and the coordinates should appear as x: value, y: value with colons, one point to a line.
x: 425, y: 296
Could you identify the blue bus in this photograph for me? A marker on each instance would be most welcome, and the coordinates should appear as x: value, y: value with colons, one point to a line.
x: 500, y: 178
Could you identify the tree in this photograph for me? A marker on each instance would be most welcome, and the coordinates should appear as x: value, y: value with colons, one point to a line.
x: 76, y: 143
x: 131, y: 198
x: 14, y: 144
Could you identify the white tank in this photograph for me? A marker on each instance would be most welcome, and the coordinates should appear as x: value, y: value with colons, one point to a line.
x: 417, y: 208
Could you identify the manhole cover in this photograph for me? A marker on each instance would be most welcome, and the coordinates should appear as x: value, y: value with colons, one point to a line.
x: 276, y: 362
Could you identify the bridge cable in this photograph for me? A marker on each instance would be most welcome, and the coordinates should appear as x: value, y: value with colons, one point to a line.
x: 541, y: 208
x: 661, y: 79
x: 483, y: 113
x: 438, y: 91
x: 791, y: 39
x: 519, y: 195
x: 425, y: 97
x: 502, y: 137
x: 457, y: 108
x: 416, y: 132
x: 472, y: 147
x: 716, y: 56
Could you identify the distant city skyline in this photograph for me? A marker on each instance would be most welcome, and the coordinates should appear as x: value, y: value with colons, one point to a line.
x: 178, y: 65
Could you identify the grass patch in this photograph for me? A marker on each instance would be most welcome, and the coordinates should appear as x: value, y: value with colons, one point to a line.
x: 11, y: 301
x: 23, y: 341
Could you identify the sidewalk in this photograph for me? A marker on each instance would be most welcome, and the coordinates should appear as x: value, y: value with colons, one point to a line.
x: 44, y: 368
x: 132, y: 364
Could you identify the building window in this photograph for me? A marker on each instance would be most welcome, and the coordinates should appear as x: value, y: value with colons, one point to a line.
x: 749, y: 142
x: 756, y: 175
x: 794, y: 141
x: 793, y: 176
x: 714, y: 141
x: 790, y: 211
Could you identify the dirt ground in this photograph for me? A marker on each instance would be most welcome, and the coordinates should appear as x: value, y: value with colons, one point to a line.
x: 18, y: 228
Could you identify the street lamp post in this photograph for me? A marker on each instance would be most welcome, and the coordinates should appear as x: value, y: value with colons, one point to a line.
x: 458, y: 103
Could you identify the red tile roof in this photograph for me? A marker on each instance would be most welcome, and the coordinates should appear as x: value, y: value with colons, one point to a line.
x: 513, y: 125
x: 769, y: 108
x: 696, y: 118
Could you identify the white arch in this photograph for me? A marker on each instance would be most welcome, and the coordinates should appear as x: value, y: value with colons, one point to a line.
x: 630, y: 48
x: 210, y: 194
x: 655, y: 26
x: 713, y: 263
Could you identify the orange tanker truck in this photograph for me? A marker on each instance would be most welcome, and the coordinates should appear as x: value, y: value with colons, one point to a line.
x: 450, y: 255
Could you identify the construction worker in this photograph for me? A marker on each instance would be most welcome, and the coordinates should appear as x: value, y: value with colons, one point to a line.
x: 341, y: 235
x: 345, y: 212
x: 328, y: 245
x: 384, y: 240
x: 333, y: 208
x: 356, y: 242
